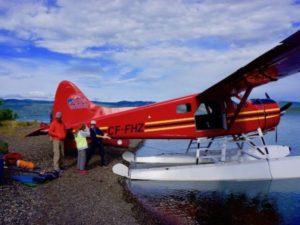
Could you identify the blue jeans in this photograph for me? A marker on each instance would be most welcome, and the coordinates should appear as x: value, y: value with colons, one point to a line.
x: 81, y: 159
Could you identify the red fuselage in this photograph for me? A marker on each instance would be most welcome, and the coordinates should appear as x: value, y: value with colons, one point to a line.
x: 189, y: 118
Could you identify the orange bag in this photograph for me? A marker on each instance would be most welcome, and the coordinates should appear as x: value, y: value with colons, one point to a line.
x: 25, y: 164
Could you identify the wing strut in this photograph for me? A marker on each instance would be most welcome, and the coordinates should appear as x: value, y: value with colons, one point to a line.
x: 240, y: 106
x: 189, y: 146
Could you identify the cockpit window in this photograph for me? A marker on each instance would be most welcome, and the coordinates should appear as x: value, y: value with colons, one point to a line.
x: 235, y: 101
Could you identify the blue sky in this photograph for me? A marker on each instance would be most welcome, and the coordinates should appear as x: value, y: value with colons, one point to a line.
x: 138, y: 50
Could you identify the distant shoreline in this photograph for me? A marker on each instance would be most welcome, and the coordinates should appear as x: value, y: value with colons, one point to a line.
x: 39, y: 110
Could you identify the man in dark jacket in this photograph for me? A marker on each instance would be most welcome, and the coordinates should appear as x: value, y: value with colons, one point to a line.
x: 97, y: 137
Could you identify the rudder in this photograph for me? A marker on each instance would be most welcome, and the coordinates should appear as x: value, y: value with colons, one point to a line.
x: 75, y: 107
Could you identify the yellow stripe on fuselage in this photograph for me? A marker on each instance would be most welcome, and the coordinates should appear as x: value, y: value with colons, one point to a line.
x: 256, y: 111
x: 168, y: 128
x: 160, y: 122
x: 255, y: 118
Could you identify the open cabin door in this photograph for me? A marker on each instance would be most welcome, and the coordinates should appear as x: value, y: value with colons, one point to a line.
x: 211, y: 115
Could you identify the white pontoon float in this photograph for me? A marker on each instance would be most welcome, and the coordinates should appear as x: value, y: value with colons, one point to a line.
x: 257, y: 162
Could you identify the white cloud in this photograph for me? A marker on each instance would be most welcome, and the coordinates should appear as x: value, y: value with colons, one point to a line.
x: 73, y: 28
x: 39, y: 95
x: 166, y: 41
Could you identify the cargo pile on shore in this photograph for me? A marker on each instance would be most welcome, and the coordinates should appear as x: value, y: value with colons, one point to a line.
x: 98, y: 197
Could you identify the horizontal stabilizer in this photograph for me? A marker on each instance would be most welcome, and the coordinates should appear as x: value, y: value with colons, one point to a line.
x: 42, y: 130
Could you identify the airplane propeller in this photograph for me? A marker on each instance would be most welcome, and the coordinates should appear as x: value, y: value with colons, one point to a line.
x: 283, y: 110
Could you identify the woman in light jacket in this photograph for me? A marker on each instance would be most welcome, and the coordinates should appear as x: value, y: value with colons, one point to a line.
x: 82, y: 145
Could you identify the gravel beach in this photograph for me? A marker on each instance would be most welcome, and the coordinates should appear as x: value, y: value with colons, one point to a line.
x: 98, y: 197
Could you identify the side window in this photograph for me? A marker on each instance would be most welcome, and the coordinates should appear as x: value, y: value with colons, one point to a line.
x: 184, y: 108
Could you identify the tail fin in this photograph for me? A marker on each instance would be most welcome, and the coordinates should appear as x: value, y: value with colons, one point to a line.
x: 75, y: 107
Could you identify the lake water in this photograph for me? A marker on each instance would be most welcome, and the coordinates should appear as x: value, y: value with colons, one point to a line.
x: 263, y: 202
x: 38, y: 118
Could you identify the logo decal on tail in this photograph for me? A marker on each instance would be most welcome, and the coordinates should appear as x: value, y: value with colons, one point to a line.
x: 77, y: 101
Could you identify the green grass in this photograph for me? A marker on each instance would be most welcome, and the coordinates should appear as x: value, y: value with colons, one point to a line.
x: 9, y: 127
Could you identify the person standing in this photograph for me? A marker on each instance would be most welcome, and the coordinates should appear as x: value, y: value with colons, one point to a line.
x: 82, y: 146
x: 97, y: 137
x: 57, y: 132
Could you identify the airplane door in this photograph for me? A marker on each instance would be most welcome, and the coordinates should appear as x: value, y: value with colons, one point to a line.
x: 211, y: 115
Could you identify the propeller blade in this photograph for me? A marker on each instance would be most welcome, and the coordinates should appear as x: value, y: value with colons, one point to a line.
x: 286, y: 106
x: 282, y: 111
x: 267, y: 96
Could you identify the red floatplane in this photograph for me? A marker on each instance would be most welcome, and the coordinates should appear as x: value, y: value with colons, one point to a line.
x: 222, y: 112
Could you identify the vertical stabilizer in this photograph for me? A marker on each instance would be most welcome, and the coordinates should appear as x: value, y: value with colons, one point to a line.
x: 75, y: 107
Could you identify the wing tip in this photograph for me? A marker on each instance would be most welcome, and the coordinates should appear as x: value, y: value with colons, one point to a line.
x: 293, y: 39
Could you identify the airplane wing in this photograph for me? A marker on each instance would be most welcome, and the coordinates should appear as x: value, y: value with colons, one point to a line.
x: 281, y: 61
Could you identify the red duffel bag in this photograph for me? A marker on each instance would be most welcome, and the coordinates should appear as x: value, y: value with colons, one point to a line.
x: 11, y: 158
